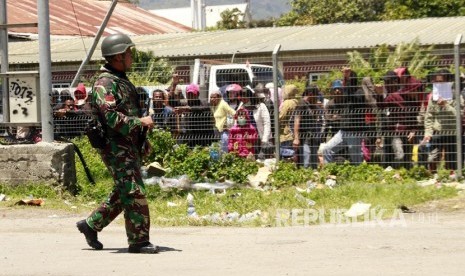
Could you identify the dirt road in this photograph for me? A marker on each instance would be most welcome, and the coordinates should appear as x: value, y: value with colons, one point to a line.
x: 38, y: 242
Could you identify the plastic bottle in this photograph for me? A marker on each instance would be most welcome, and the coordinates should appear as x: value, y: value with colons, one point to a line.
x: 215, y: 152
x: 190, y: 206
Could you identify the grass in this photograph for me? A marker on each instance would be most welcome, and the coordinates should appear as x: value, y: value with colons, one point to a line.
x: 243, y: 201
x: 386, y: 196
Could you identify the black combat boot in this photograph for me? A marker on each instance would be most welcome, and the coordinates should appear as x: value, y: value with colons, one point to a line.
x: 145, y: 247
x: 90, y: 234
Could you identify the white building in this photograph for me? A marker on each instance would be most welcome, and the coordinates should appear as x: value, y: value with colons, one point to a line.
x: 189, y: 16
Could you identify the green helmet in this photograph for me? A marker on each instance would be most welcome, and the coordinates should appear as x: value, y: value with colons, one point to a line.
x: 115, y: 44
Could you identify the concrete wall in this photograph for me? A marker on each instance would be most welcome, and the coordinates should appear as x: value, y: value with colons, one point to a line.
x: 48, y: 163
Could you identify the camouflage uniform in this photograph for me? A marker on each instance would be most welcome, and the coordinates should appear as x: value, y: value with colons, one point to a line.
x: 116, y: 98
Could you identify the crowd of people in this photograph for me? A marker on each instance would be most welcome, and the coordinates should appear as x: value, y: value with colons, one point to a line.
x: 398, y: 123
x: 379, y: 123
x: 70, y: 111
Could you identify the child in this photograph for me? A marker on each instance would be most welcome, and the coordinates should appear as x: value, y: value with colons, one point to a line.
x: 243, y: 135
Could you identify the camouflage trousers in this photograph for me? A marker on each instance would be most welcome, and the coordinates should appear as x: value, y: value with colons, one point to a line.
x: 128, y: 196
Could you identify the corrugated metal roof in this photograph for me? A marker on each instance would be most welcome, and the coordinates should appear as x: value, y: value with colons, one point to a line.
x: 84, y: 17
x: 437, y: 31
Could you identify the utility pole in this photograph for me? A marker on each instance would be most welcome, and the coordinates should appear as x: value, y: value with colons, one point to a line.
x: 94, y: 44
x: 4, y: 54
x: 45, y: 70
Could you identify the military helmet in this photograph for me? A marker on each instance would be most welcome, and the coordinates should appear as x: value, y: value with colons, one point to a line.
x: 115, y: 44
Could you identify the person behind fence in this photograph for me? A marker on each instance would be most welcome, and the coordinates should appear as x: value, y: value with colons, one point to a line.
x: 80, y: 97
x: 246, y: 96
x: 70, y: 119
x: 115, y: 102
x: 143, y: 100
x: 262, y: 121
x: 243, y: 135
x: 63, y: 96
x: 373, y: 95
x: 407, y: 82
x: 260, y: 89
x: 343, y: 120
x: 384, y: 152
x: 221, y: 110
x: 68, y: 108
x: 175, y: 95
x: 440, y: 122
x: 199, y: 131
x: 270, y: 87
x: 355, y: 96
x: 54, y: 99
x: 62, y: 113
x: 285, y: 119
x: 233, y: 95
x: 400, y: 128
x: 308, y: 128
x: 162, y: 115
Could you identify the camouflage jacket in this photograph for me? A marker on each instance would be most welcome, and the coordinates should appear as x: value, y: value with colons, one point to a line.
x: 116, y: 103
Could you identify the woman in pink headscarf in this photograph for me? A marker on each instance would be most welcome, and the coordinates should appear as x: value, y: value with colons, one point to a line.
x: 243, y: 135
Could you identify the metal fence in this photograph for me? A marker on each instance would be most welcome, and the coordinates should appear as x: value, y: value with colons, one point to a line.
x: 394, y: 119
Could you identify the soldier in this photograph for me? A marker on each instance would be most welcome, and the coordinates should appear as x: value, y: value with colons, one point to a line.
x: 115, y: 103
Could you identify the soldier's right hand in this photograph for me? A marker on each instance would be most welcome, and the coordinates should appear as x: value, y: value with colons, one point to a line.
x: 147, y: 121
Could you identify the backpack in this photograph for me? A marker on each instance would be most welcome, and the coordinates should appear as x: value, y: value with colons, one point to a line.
x: 95, y: 132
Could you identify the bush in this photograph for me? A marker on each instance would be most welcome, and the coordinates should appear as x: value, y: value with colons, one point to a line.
x: 369, y: 173
x: 201, y: 166
x: 162, y: 144
x: 419, y: 173
x: 198, y: 165
x: 287, y: 174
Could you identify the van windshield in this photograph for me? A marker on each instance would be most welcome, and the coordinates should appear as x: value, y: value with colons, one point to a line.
x: 241, y: 76
x: 265, y: 75
x: 234, y: 75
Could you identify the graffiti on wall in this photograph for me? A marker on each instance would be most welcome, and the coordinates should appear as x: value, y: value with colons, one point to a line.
x: 23, y: 99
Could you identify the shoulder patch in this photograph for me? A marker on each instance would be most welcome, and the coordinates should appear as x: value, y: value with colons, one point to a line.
x: 110, y: 99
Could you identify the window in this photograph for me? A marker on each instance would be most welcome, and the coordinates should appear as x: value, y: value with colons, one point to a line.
x: 60, y: 85
x: 313, y: 77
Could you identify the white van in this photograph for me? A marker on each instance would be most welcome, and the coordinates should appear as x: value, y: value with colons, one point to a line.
x: 213, y: 77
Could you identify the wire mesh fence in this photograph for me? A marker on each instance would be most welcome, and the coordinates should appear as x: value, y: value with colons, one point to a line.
x: 329, y: 107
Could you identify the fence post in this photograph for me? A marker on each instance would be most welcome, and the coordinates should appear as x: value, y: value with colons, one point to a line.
x: 4, y: 60
x: 458, y: 109
x: 276, y: 101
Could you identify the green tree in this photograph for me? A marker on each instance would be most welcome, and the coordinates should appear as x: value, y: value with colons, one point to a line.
x: 311, y: 12
x: 418, y: 59
x: 149, y: 70
x: 405, y: 9
x: 262, y: 23
x: 375, y: 64
x: 231, y: 19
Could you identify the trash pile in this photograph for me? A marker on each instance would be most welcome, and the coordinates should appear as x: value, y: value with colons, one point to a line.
x: 31, y: 201
x: 154, y: 173
x: 223, y: 217
x: 184, y: 183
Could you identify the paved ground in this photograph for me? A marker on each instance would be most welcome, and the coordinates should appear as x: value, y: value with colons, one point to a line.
x: 40, y: 242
